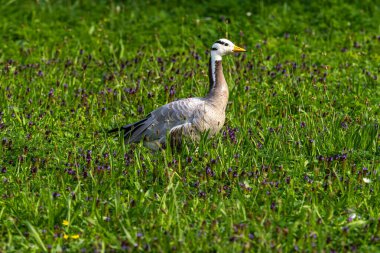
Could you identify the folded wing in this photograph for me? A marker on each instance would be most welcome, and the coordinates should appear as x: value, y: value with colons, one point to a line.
x: 178, y: 116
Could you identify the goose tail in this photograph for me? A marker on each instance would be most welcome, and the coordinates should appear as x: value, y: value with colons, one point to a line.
x: 132, y: 132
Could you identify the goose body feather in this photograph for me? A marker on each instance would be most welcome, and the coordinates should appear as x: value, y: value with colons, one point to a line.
x: 190, y: 117
x: 187, y: 117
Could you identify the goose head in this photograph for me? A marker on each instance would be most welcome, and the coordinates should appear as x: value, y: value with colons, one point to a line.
x: 223, y: 47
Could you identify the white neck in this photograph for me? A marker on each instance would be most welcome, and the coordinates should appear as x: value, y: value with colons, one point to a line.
x: 218, y: 93
x: 214, y: 57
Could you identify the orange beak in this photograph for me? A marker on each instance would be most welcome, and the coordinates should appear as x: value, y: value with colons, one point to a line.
x: 238, y: 49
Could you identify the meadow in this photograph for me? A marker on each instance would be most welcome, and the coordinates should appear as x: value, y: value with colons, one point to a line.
x: 295, y: 168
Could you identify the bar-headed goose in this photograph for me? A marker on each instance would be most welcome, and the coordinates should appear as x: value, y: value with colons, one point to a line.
x: 187, y: 117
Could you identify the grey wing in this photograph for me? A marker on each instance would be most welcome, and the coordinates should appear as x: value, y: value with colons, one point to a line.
x: 182, y: 113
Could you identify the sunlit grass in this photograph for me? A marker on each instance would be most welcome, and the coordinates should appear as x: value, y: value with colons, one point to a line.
x: 295, y: 167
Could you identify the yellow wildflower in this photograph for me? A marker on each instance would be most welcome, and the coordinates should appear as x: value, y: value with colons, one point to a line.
x: 75, y: 236
x: 65, y: 236
x: 65, y: 222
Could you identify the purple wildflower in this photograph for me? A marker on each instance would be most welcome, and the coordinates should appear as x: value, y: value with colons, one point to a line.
x: 51, y: 92
x: 273, y: 206
x: 56, y: 194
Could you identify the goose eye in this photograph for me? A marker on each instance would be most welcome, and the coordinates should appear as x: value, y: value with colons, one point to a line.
x: 226, y: 44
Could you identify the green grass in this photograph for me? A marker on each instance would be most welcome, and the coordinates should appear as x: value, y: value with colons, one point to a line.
x: 289, y: 171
